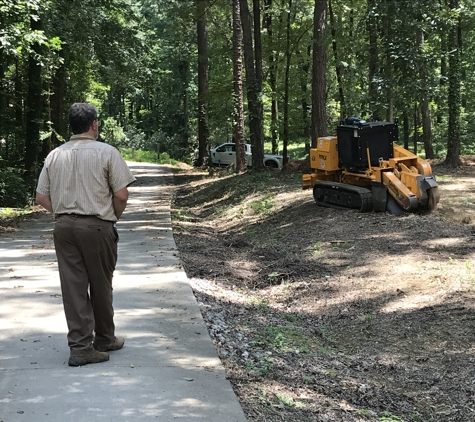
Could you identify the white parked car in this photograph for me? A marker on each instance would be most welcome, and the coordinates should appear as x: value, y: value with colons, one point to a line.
x: 225, y: 155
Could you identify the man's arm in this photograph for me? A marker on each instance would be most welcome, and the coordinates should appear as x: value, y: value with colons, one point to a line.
x: 44, y: 201
x: 120, y: 201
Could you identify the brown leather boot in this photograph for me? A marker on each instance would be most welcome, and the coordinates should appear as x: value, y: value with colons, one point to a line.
x: 93, y: 356
x: 117, y: 344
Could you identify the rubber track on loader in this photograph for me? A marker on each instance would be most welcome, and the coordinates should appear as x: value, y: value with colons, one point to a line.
x: 342, y: 195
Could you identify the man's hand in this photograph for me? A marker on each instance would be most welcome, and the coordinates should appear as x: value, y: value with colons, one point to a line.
x: 120, y: 201
x: 44, y: 201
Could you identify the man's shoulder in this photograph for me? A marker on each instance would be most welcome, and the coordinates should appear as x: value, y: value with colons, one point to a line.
x: 87, y: 144
x: 103, y: 146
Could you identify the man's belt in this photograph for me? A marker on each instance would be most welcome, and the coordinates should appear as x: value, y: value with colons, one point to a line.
x: 77, y: 215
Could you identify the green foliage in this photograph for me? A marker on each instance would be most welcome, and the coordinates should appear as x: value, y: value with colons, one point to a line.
x: 327, y: 333
x: 262, y: 206
x: 389, y: 417
x: 113, y: 133
x: 14, y: 192
x: 262, y: 304
x: 14, y: 212
x: 289, y: 401
x: 262, y: 367
x: 285, y: 339
x: 146, y: 156
x: 137, y: 62
x: 416, y: 417
x: 136, y: 139
x: 308, y: 379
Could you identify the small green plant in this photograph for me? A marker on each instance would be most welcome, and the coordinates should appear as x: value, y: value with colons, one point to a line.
x: 369, y: 318
x: 181, y: 215
x: 263, y: 206
x: 326, y: 351
x: 364, y: 412
x: 276, y: 337
x: 285, y: 339
x: 339, y: 245
x: 468, y: 268
x: 10, y: 212
x: 261, y: 304
x: 327, y: 333
x: 416, y: 417
x: 389, y: 417
x: 289, y: 401
x: 308, y: 380
x: 261, y: 368
x: 330, y: 372
x: 317, y: 246
x: 221, y: 210
x: 289, y: 287
x: 6, y: 212
x: 467, y: 201
x: 273, y: 276
x: 318, y: 249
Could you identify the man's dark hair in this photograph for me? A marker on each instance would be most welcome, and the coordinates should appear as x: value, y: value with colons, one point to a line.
x: 81, y: 116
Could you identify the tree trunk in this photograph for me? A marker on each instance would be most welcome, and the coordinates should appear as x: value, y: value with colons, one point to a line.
x: 426, y: 128
x: 34, y: 105
x: 258, y: 59
x: 203, y: 76
x: 238, y: 127
x: 415, y: 139
x: 373, y: 64
x: 288, y: 55
x: 274, y: 125
x: 443, y: 74
x: 338, y: 65
x: 424, y: 100
x: 305, y: 105
x: 453, y: 144
x: 184, y: 71
x: 319, y: 117
x: 253, y: 93
x: 388, y: 68
x: 58, y: 114
x: 405, y: 119
x: 3, y: 97
x: 19, y: 115
x: 186, y: 114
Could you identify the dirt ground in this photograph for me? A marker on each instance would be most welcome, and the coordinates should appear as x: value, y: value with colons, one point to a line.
x: 331, y: 315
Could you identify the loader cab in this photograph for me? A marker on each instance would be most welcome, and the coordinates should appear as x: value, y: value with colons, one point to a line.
x: 355, y: 136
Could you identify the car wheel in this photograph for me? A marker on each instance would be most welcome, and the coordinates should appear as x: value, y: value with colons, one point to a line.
x: 271, y: 164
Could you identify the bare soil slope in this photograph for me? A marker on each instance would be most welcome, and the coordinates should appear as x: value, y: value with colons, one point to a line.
x: 330, y: 315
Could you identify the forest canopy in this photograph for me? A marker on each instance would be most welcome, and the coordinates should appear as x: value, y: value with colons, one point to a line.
x: 165, y: 74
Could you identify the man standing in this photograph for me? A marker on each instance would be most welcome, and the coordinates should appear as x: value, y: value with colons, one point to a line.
x: 84, y: 183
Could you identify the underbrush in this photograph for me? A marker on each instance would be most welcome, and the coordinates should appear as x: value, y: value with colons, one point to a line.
x: 141, y: 156
x: 14, y: 191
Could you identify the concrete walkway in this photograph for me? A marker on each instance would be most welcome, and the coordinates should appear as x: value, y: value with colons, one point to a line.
x: 168, y: 369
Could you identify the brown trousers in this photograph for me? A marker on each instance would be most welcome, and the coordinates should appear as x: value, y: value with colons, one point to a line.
x: 86, y: 248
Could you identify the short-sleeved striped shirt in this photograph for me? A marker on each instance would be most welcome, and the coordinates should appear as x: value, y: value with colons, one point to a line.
x: 81, y: 177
